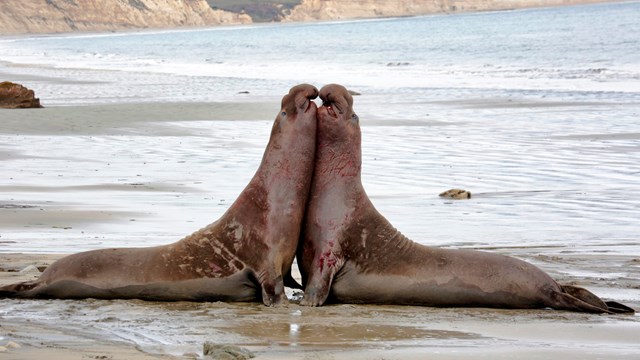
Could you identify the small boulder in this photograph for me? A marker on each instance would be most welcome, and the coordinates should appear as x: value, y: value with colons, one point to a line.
x: 31, y: 269
x: 225, y: 352
x: 16, y: 96
x: 456, y: 194
x: 12, y: 345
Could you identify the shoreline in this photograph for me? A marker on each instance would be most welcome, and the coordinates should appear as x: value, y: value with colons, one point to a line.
x: 127, y: 29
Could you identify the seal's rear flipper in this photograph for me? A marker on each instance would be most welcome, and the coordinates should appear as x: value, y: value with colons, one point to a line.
x: 17, y: 290
x: 584, y: 295
x: 617, y: 308
x: 579, y: 299
x: 7, y: 294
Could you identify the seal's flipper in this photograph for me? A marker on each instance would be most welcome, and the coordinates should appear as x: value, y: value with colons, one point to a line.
x: 617, y: 308
x: 584, y: 295
x: 290, y: 282
x: 577, y: 298
x: 17, y: 290
x: 7, y: 294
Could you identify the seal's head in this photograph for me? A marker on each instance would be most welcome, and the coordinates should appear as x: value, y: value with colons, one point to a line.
x: 339, y: 138
x: 297, y: 109
x: 337, y: 121
x: 292, y: 143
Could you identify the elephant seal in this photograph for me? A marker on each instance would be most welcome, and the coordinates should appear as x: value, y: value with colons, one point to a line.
x: 351, y: 254
x: 243, y: 256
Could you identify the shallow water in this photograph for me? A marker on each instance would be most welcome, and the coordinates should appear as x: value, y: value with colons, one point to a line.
x: 570, y: 52
x: 534, y: 181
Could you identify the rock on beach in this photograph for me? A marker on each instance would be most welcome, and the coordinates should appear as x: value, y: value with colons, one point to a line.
x: 16, y: 96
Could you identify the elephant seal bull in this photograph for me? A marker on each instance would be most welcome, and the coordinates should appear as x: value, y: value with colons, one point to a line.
x: 351, y: 254
x: 243, y: 256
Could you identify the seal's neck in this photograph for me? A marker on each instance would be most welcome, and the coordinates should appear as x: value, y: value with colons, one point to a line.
x: 337, y: 162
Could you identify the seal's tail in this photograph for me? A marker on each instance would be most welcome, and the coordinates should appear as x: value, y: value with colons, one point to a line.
x: 578, y: 299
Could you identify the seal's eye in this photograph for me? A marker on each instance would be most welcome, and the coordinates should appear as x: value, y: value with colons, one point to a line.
x: 284, y: 113
x: 355, y: 118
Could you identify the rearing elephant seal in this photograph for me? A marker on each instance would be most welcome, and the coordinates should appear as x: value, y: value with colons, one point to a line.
x: 241, y: 257
x: 352, y: 254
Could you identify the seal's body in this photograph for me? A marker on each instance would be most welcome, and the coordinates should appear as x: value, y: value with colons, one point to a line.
x: 350, y: 253
x: 243, y: 256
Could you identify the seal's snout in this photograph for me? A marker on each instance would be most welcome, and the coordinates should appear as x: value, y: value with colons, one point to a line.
x: 308, y: 93
x: 336, y: 100
x: 299, y: 99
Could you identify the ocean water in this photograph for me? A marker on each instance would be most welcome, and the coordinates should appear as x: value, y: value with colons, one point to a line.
x: 536, y: 112
x: 584, y: 51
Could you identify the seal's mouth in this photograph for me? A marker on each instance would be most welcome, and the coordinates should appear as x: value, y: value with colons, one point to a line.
x: 333, y: 108
x: 311, y: 105
x: 330, y: 110
x: 336, y: 101
x: 306, y: 105
x: 300, y: 99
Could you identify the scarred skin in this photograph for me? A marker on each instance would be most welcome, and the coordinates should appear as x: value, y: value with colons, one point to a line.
x: 350, y: 253
x: 241, y: 257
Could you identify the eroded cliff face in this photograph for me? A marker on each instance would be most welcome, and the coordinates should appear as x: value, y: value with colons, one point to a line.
x: 311, y: 10
x: 46, y: 16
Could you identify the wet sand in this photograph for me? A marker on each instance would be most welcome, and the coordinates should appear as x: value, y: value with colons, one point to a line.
x: 69, y: 187
x: 140, y: 330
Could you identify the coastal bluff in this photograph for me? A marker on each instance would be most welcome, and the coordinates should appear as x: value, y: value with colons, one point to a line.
x: 57, y: 16
x: 313, y: 10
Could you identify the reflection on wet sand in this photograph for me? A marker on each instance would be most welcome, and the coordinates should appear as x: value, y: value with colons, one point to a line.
x: 341, y: 334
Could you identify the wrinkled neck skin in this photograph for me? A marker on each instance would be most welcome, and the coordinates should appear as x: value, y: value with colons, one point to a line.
x: 261, y: 229
x: 273, y: 202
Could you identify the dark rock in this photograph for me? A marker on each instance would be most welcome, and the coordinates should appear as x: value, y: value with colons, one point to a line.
x: 16, y: 96
x: 398, y: 64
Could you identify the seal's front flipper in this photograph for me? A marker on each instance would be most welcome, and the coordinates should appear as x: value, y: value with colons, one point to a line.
x: 273, y: 291
x: 290, y: 282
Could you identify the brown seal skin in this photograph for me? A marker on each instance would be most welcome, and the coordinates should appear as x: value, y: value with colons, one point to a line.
x: 243, y: 256
x: 350, y: 253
